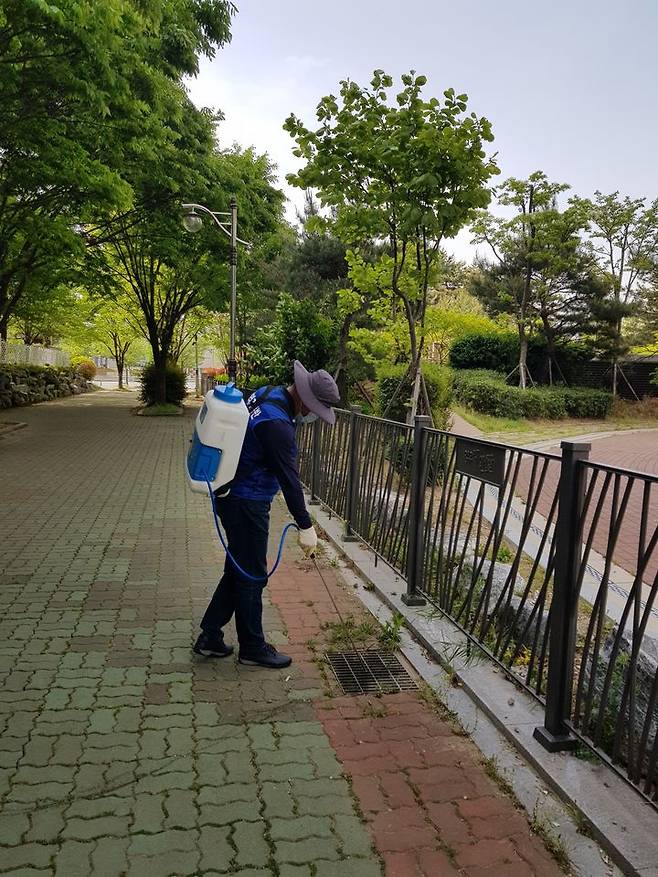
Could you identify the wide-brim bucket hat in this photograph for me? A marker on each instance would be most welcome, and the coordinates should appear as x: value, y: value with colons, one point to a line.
x: 318, y: 391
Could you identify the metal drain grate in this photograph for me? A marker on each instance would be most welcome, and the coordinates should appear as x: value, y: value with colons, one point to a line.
x: 369, y: 672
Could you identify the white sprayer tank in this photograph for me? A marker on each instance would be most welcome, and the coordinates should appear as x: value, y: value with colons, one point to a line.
x: 219, y: 433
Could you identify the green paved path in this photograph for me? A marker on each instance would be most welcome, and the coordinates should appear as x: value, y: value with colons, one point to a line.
x: 119, y: 753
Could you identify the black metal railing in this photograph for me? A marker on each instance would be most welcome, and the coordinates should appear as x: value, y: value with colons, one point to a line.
x: 549, y: 563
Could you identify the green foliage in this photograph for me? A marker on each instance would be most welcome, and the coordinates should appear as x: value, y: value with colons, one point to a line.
x: 444, y: 326
x: 487, y: 392
x: 151, y: 385
x: 500, y: 352
x: 438, y: 381
x: 654, y: 380
x: 485, y: 350
x: 390, y: 637
x: 89, y: 91
x: 400, y: 169
x: 540, y: 270
x: 587, y: 403
x: 297, y: 332
x: 84, y: 366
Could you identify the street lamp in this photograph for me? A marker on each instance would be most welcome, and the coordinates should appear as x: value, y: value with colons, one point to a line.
x: 193, y: 222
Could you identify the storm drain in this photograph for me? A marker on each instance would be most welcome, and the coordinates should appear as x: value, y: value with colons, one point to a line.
x: 369, y: 672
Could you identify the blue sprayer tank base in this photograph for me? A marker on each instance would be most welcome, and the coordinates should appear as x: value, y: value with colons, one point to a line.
x: 202, y: 460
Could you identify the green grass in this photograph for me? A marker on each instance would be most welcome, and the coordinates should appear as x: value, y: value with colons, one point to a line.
x: 625, y: 415
x: 167, y: 410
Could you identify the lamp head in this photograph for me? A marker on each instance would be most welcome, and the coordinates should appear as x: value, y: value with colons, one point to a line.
x: 192, y: 222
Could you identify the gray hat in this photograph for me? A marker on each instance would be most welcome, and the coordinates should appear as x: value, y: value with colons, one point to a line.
x: 318, y: 391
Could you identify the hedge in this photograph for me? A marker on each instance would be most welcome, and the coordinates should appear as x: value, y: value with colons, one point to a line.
x: 486, y: 392
x: 26, y: 384
x: 438, y: 381
x: 481, y: 350
x: 500, y: 352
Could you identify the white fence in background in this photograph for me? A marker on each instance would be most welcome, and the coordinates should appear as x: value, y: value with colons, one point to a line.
x: 32, y: 354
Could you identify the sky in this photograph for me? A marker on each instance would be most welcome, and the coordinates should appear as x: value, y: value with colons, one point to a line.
x: 569, y: 87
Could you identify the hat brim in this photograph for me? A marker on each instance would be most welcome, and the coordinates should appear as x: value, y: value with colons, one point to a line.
x: 303, y: 385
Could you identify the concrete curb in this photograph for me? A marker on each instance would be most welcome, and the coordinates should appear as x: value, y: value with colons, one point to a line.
x: 616, y: 816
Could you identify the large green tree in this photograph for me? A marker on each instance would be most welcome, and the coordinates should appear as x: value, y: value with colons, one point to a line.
x: 403, y: 169
x: 539, y: 273
x: 168, y: 273
x: 623, y: 233
x: 84, y: 88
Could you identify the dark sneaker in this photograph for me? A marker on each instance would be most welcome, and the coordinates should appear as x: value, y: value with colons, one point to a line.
x: 265, y: 657
x: 211, y: 647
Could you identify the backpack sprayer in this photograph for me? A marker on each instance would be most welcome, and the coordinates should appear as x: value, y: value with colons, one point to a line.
x: 212, y: 460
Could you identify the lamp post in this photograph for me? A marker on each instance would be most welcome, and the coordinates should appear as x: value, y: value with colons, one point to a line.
x: 197, y: 382
x: 193, y: 222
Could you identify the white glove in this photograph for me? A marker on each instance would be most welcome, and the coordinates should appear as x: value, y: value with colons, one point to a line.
x: 308, y: 541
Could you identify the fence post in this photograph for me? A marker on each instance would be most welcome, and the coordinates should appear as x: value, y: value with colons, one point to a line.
x: 315, y: 462
x: 554, y: 735
x: 352, y: 474
x: 416, y: 528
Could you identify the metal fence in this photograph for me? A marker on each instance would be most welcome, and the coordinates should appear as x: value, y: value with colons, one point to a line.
x: 32, y: 354
x: 548, y: 563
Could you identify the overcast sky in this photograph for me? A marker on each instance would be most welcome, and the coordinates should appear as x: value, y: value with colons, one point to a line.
x: 569, y: 87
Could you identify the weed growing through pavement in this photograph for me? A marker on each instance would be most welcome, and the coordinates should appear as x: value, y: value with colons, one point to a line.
x: 375, y: 710
x: 552, y: 840
x: 494, y: 772
x: 347, y: 633
x: 389, y: 636
x: 431, y: 699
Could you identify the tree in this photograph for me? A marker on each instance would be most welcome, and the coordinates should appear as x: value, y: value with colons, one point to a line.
x: 624, y: 237
x: 84, y: 89
x: 114, y: 328
x: 410, y: 174
x: 297, y: 332
x: 169, y: 274
x: 538, y: 261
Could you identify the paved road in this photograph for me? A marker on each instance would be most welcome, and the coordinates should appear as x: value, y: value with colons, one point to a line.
x: 617, y: 536
x: 122, y: 755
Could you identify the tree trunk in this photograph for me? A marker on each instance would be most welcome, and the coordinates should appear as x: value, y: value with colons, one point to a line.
x: 523, y: 357
x: 160, y: 363
x: 4, y: 325
x: 341, y: 372
x: 615, y: 360
x: 550, y: 347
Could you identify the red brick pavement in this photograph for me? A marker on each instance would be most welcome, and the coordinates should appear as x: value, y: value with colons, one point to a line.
x: 430, y: 807
x: 637, y: 451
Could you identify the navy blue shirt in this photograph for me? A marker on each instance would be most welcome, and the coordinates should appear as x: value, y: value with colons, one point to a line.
x: 270, y: 451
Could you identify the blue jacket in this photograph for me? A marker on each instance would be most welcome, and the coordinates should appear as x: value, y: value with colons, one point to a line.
x: 269, y: 454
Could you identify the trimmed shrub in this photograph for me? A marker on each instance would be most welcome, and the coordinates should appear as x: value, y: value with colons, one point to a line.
x: 487, y: 392
x: 175, y: 384
x: 553, y: 404
x: 84, y: 366
x: 500, y: 352
x: 481, y: 350
x: 583, y: 402
x: 438, y: 380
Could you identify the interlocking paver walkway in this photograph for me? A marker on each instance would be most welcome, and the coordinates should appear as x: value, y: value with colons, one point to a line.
x: 120, y: 754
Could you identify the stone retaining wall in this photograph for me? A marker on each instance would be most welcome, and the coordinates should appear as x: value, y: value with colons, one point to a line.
x: 26, y: 384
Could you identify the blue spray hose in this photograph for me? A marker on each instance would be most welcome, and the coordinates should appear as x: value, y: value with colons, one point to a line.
x: 230, y: 556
